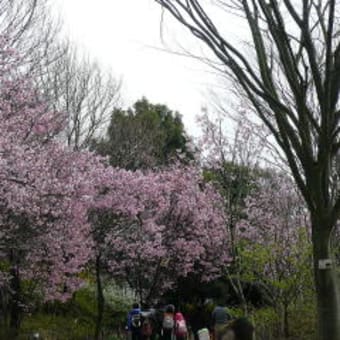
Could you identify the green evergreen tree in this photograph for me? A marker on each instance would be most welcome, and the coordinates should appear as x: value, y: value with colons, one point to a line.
x: 145, y: 136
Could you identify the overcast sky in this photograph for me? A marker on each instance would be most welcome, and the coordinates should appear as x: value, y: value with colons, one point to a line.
x: 124, y: 35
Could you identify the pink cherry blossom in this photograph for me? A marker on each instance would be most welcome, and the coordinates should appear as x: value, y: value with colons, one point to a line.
x: 171, y: 225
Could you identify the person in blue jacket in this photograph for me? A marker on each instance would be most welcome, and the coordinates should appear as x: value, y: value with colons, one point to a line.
x: 134, y: 322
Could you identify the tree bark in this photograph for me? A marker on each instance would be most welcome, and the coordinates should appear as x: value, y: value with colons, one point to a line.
x: 15, y: 307
x: 285, y: 320
x: 327, y: 288
x: 100, y: 300
x: 4, y: 307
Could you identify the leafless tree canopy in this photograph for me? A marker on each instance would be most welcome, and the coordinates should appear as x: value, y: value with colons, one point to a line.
x: 31, y: 30
x: 71, y: 84
x: 78, y: 86
x: 294, y: 85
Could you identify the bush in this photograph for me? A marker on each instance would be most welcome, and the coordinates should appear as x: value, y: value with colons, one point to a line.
x: 302, y: 321
x: 76, y: 318
x: 51, y: 327
x: 266, y: 322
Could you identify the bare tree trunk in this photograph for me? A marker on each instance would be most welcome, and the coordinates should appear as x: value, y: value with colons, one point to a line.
x: 238, y: 290
x: 285, y: 320
x: 4, y: 296
x: 15, y: 306
x: 326, y: 283
x: 100, y: 300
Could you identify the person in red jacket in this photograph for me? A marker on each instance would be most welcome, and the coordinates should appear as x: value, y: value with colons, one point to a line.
x: 181, y: 330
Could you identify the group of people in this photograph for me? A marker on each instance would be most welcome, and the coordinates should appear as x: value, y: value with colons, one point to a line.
x: 168, y: 323
x: 162, y: 323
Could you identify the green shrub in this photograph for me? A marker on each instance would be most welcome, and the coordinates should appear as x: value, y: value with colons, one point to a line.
x: 76, y: 319
x: 301, y: 319
x: 267, y: 323
x: 303, y: 322
x: 51, y: 327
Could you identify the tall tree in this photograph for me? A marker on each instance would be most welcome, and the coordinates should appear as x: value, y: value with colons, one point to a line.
x: 274, y: 243
x: 46, y: 190
x: 168, y: 224
x: 231, y: 163
x: 153, y: 227
x: 30, y: 28
x: 145, y: 136
x: 77, y: 85
x: 294, y: 86
x: 70, y: 83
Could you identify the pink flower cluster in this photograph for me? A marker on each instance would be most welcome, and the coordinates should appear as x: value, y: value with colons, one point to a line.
x: 275, y: 213
x: 171, y: 224
x: 45, y: 189
x: 164, y: 225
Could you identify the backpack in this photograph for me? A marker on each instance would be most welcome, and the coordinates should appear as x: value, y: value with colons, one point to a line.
x: 146, y: 327
x: 136, y: 320
x: 203, y: 334
x: 168, y: 321
x: 181, y: 328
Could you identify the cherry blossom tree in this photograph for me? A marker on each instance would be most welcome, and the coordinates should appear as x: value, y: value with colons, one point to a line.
x: 231, y: 154
x: 169, y: 223
x: 46, y: 190
x: 274, y: 243
x: 292, y: 83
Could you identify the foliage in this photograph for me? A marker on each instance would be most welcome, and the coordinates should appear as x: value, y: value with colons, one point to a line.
x: 171, y: 224
x: 231, y: 164
x: 76, y: 318
x: 145, y: 136
x: 46, y: 191
x: 151, y: 229
x: 274, y: 245
x: 293, y: 87
x: 43, y: 189
x: 301, y: 318
x: 57, y: 327
x: 83, y: 307
x: 234, y: 182
x: 187, y: 291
